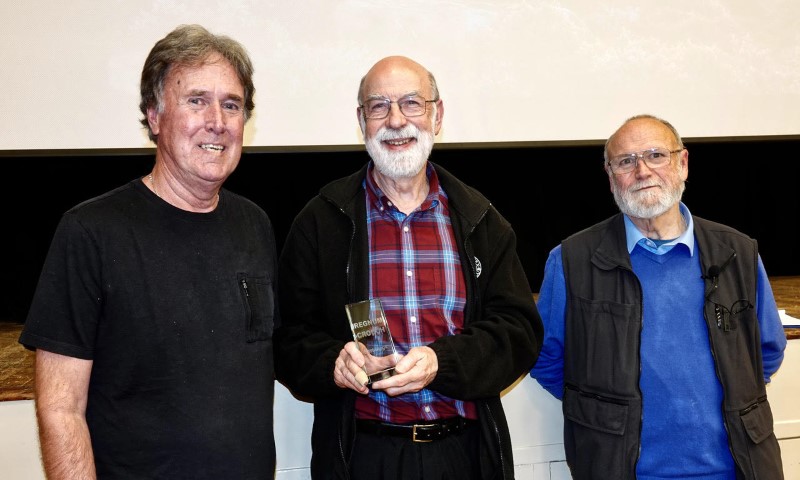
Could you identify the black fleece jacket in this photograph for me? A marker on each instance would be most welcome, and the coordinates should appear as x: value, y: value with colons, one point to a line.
x: 324, y: 265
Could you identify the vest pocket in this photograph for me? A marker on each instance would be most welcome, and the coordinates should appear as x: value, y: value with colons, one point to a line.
x: 753, y: 441
x: 602, y: 345
x: 595, y: 442
x: 757, y: 421
x: 599, y: 413
x: 259, y: 304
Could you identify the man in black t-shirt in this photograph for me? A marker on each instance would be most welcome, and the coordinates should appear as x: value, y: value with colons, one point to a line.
x: 152, y: 320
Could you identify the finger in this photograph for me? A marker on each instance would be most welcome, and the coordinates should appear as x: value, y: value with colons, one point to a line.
x: 361, y: 377
x: 353, y: 349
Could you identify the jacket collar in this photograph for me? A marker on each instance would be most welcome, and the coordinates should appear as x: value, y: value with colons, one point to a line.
x: 463, y: 199
x: 612, y: 252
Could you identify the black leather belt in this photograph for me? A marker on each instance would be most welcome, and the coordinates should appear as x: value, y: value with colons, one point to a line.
x: 420, y: 432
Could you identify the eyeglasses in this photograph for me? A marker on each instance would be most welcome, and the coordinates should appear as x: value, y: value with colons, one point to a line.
x: 723, y: 314
x: 410, y: 106
x: 653, y: 158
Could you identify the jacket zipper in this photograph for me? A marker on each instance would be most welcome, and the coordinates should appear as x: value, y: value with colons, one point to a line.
x: 350, y: 296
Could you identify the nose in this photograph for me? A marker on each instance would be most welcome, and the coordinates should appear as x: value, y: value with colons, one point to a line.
x: 395, y: 119
x: 215, y: 119
x: 641, y: 167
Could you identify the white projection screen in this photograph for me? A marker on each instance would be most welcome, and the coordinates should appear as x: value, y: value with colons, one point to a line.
x: 508, y: 71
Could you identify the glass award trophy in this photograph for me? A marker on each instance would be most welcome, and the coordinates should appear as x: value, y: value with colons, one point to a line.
x: 371, y: 333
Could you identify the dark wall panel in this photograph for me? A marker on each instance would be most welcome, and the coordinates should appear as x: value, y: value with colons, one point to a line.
x: 546, y: 193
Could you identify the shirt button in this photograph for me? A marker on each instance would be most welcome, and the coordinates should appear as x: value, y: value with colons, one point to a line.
x: 389, y: 203
x: 408, y: 273
x: 405, y: 229
x: 413, y: 319
x: 427, y: 409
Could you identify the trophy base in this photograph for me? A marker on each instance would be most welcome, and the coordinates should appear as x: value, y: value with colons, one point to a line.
x: 382, y: 375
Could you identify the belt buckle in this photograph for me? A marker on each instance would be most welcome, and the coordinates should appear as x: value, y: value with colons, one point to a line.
x: 414, y: 434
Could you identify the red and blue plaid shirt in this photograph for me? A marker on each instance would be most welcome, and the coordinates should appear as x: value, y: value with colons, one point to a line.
x: 415, y: 270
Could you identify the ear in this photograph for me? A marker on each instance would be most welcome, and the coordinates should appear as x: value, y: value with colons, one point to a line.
x: 361, y: 122
x: 153, y: 119
x: 437, y: 121
x: 683, y: 161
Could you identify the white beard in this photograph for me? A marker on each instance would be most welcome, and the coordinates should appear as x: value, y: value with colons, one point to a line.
x: 407, y: 163
x: 648, y: 204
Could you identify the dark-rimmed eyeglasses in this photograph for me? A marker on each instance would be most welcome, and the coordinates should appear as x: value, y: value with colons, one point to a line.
x: 653, y: 158
x: 410, y: 106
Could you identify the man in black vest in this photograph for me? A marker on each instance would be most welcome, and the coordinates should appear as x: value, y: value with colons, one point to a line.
x: 661, y: 330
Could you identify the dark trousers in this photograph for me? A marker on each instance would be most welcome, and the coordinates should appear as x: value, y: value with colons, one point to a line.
x: 380, y: 457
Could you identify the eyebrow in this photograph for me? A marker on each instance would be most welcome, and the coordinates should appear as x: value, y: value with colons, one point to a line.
x: 376, y: 96
x: 641, y: 151
x: 202, y: 93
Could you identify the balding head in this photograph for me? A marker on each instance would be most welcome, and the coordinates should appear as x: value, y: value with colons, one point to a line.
x: 390, y: 70
x: 639, y: 126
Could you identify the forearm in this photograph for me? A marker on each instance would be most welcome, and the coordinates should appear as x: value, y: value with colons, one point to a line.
x: 66, y: 446
x: 507, y: 330
x: 485, y: 359
x: 552, y: 304
x: 61, y: 397
x: 773, y: 338
x: 304, y: 361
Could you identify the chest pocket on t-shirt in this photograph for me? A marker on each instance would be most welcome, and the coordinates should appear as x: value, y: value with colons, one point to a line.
x: 259, y: 304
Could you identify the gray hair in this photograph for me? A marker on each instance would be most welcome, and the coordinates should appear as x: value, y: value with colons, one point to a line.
x: 191, y: 45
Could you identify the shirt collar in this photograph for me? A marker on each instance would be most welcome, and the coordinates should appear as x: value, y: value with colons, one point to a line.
x: 634, y: 237
x: 436, y: 195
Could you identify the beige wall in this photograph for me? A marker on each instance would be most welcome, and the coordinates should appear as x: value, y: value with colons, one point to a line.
x: 509, y: 70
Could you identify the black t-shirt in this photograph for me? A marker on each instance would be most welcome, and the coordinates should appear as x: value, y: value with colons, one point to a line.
x: 176, y: 309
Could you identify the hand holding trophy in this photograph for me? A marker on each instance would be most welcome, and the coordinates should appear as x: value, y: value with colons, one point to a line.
x: 371, y: 333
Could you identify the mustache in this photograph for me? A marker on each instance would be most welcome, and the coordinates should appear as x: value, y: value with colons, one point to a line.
x: 642, y: 185
x: 408, y: 131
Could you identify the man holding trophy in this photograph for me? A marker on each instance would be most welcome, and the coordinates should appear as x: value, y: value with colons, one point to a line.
x: 405, y: 308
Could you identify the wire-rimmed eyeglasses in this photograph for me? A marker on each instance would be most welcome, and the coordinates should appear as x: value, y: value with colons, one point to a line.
x: 653, y: 158
x: 410, y: 106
